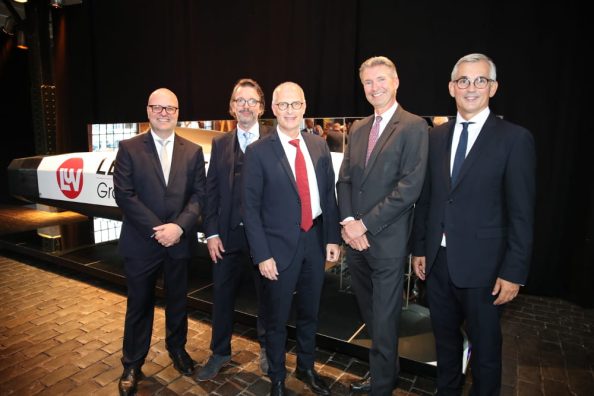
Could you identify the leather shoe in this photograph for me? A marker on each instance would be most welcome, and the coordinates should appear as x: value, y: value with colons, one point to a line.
x: 278, y: 389
x: 129, y: 380
x: 363, y: 386
x: 313, y: 381
x: 182, y: 362
x: 212, y: 367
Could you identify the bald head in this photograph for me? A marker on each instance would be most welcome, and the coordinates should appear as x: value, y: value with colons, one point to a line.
x: 163, y: 94
x: 285, y: 88
x: 288, y: 105
x: 162, y: 111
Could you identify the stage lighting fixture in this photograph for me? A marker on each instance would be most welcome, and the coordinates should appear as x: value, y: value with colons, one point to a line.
x: 21, y: 1
x: 57, y: 3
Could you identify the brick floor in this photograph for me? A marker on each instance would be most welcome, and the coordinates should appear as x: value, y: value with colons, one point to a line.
x: 61, y: 333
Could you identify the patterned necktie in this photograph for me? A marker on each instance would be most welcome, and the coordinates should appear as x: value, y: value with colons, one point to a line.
x: 245, y: 141
x: 303, y: 187
x: 164, y: 156
x: 373, y: 136
x: 460, y: 151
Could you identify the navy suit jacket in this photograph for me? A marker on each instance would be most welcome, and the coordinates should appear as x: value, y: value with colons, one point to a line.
x: 384, y: 192
x: 146, y: 201
x: 272, y: 208
x: 487, y: 215
x: 219, y: 183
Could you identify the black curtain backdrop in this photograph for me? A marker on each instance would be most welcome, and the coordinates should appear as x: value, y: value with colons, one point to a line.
x: 110, y: 54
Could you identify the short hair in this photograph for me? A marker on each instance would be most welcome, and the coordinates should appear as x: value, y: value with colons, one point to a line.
x: 378, y: 61
x: 475, y: 58
x: 248, y: 82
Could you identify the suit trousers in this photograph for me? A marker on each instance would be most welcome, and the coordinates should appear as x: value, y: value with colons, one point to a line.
x: 378, y: 286
x: 141, y: 277
x: 228, y: 275
x: 449, y: 307
x: 302, y: 279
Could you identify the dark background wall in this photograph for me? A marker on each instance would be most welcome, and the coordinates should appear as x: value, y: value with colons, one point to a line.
x: 110, y: 54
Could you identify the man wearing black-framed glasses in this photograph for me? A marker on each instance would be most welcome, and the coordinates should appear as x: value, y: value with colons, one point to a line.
x: 226, y: 239
x: 159, y: 184
x: 472, y: 238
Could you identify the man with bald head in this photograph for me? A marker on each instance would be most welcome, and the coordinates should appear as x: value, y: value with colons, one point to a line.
x: 159, y: 183
x: 291, y: 221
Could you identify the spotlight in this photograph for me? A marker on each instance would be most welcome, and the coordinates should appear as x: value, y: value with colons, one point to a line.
x: 57, y: 3
x: 20, y: 1
x: 9, y: 26
x: 21, y: 42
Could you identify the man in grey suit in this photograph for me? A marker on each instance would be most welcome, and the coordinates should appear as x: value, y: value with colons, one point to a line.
x: 380, y: 180
x: 159, y: 183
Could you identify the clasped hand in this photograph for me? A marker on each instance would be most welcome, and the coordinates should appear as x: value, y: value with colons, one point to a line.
x: 353, y: 233
x: 167, y: 234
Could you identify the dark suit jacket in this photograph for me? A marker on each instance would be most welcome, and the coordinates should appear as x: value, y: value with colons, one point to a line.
x: 487, y: 215
x: 383, y: 193
x: 272, y: 209
x: 219, y: 183
x: 146, y: 201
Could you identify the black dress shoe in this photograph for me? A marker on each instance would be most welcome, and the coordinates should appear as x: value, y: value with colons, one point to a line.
x: 278, y: 389
x: 313, y: 381
x: 361, y: 386
x: 182, y: 362
x: 129, y: 380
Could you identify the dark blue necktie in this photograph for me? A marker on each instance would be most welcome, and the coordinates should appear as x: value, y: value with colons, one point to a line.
x: 460, y: 151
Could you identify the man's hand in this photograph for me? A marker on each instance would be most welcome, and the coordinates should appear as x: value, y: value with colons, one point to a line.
x: 332, y: 252
x: 507, y: 291
x: 215, y: 248
x: 418, y: 264
x: 352, y: 229
x: 268, y: 269
x: 360, y: 243
x: 168, y: 234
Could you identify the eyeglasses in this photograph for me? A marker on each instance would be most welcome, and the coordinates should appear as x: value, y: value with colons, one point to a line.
x: 479, y: 82
x: 157, y: 109
x: 294, y: 105
x: 250, y: 102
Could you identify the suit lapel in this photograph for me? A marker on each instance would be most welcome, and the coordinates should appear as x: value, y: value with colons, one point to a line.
x: 278, y: 149
x: 229, y: 153
x: 388, y: 131
x: 448, y: 154
x: 178, y: 152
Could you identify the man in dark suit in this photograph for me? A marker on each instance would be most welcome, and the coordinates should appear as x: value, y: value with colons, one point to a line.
x: 472, y: 237
x: 380, y: 179
x: 291, y: 221
x: 226, y: 240
x: 159, y: 183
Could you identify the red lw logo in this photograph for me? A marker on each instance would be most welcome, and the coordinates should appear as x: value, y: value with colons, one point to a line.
x: 70, y: 177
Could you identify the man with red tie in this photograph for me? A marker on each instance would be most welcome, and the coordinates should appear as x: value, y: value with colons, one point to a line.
x: 291, y: 221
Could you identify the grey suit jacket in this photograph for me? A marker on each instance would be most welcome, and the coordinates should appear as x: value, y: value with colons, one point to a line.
x: 382, y: 194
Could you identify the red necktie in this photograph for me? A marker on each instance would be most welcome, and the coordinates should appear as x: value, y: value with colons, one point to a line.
x: 373, y: 136
x: 303, y: 187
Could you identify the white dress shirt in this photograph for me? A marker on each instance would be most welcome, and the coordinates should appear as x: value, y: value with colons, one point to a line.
x: 291, y: 153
